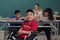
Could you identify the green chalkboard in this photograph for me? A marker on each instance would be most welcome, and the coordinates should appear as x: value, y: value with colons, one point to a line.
x: 7, y: 7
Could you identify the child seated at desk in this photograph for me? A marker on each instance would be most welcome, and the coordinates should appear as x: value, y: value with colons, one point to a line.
x: 47, y: 15
x: 17, y: 16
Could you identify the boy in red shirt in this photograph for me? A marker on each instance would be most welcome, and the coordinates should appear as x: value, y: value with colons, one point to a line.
x: 29, y: 26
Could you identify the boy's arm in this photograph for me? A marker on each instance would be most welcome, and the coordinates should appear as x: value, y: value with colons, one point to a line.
x: 19, y: 32
x: 34, y: 26
x: 33, y: 29
x: 23, y: 32
x: 10, y: 19
x: 26, y: 32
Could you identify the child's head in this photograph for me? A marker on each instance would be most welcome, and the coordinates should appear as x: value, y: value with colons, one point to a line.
x: 30, y: 15
x: 37, y: 6
x: 48, y: 12
x: 56, y: 13
x: 17, y: 13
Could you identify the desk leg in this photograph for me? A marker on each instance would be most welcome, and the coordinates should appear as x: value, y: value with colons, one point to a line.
x: 57, y: 31
x: 5, y: 33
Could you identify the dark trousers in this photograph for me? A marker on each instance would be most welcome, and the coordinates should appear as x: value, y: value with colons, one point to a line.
x: 29, y: 38
x: 47, y: 32
x: 13, y: 29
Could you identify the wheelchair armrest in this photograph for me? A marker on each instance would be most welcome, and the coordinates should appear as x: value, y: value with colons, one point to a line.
x: 35, y: 32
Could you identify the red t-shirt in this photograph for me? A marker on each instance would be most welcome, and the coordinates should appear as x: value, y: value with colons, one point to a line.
x: 31, y: 26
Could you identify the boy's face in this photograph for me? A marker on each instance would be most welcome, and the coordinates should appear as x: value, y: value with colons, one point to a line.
x: 18, y: 15
x: 30, y: 16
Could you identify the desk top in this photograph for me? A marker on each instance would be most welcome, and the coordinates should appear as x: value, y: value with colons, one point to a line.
x: 14, y: 21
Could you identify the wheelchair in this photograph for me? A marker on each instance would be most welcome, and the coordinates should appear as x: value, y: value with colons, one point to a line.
x: 13, y: 29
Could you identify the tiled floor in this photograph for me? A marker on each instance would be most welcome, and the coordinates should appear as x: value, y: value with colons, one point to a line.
x: 41, y: 37
x: 45, y: 38
x: 1, y: 35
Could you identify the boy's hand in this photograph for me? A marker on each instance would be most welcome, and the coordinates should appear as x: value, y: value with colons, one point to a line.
x: 22, y: 32
x: 27, y: 26
x: 10, y: 19
x: 13, y: 18
x: 19, y: 32
x: 26, y: 32
x: 7, y: 19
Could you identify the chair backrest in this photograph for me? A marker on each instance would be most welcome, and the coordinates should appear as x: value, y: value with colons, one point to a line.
x: 57, y: 18
x: 15, y: 24
x: 14, y: 27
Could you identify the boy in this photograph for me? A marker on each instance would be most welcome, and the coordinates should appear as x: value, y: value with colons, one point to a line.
x: 29, y: 26
x: 17, y: 16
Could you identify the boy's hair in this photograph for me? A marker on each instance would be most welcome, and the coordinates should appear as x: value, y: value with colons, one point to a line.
x: 29, y: 10
x: 37, y: 4
x: 17, y: 11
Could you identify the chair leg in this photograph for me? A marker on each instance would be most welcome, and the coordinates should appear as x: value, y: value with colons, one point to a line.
x: 36, y: 38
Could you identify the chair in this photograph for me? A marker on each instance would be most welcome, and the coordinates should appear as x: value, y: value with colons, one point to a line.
x: 13, y: 28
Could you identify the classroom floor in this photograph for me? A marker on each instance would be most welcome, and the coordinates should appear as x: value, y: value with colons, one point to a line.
x: 44, y: 38
x: 40, y: 37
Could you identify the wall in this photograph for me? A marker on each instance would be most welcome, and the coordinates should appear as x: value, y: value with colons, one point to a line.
x: 7, y: 7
